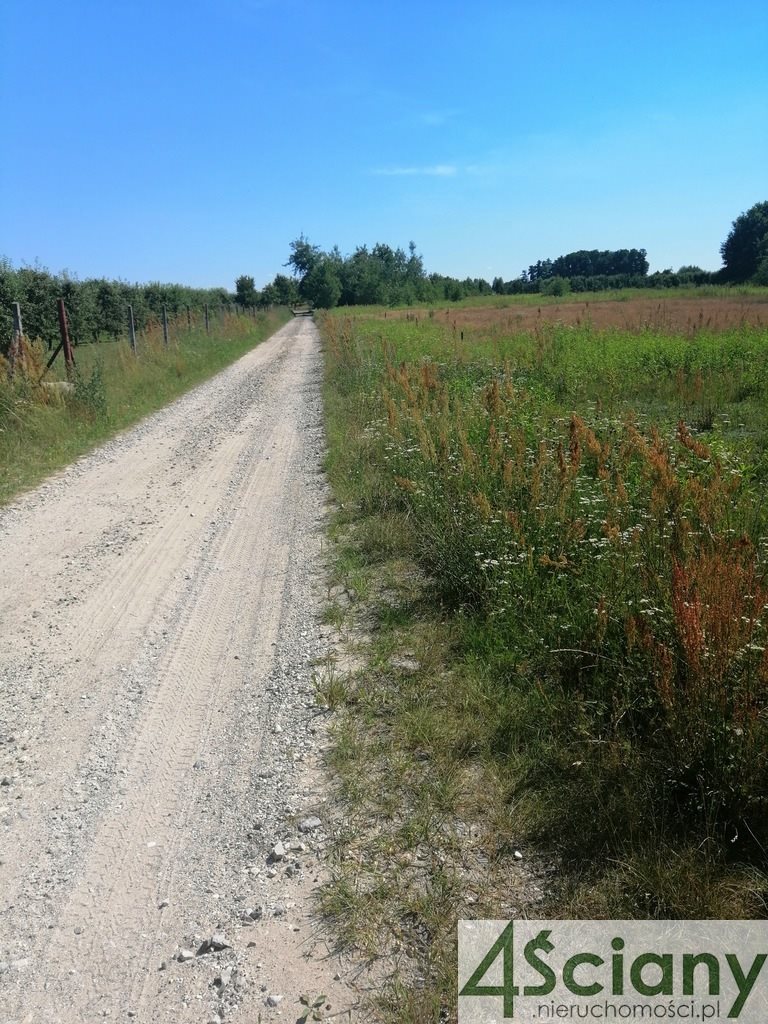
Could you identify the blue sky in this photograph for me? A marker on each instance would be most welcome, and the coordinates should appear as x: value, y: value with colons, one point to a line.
x: 193, y: 141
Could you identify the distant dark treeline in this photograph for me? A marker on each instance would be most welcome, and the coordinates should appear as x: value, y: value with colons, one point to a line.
x: 96, y: 308
x: 556, y: 284
x: 589, y: 263
x: 596, y: 270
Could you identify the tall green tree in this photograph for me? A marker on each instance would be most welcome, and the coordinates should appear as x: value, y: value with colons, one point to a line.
x: 322, y: 286
x: 245, y: 291
x: 303, y: 256
x: 283, y: 291
x: 746, y: 246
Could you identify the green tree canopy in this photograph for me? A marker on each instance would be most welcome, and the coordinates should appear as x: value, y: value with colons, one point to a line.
x: 283, y: 291
x: 322, y: 286
x: 245, y: 291
x: 303, y: 256
x: 746, y: 247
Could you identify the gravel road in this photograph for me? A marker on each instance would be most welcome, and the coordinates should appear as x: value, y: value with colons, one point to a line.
x: 158, y: 731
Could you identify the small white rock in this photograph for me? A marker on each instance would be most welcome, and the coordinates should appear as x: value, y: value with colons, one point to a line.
x: 309, y: 824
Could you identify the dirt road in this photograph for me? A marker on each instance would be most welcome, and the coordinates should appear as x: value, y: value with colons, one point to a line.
x: 158, y: 617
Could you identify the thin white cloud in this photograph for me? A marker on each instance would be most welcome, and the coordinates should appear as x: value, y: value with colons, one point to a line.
x: 436, y: 118
x: 434, y: 171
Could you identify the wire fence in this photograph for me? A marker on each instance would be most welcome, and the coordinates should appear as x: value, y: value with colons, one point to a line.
x: 191, y: 318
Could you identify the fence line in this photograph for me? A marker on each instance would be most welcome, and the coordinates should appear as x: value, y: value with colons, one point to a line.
x: 15, y: 348
x: 163, y: 318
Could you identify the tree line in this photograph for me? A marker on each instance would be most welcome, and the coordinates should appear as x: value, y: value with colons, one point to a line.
x: 384, y: 276
x: 96, y: 307
x: 375, y: 276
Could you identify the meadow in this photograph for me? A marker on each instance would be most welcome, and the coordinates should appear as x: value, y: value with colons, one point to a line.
x: 43, y: 428
x: 563, y: 526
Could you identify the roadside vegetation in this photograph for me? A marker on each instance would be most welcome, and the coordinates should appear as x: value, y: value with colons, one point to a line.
x: 557, y: 542
x: 43, y: 428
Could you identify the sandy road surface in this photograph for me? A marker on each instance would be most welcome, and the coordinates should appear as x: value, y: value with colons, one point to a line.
x: 158, y: 607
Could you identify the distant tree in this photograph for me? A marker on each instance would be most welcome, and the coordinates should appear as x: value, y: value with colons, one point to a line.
x: 37, y: 291
x: 245, y: 291
x: 303, y: 256
x: 498, y: 286
x: 555, y: 286
x: 761, y: 274
x: 283, y: 291
x: 746, y: 246
x: 593, y: 262
x: 322, y: 286
x: 415, y: 265
x: 8, y: 295
x: 80, y: 304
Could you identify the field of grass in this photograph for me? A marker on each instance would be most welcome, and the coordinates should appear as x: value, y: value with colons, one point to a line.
x: 699, y: 294
x: 561, y: 539
x: 42, y: 430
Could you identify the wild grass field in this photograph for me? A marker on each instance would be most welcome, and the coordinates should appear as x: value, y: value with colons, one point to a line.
x: 42, y: 429
x: 680, y: 311
x: 563, y: 528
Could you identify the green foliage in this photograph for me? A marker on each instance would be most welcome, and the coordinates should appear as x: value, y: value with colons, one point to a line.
x: 90, y: 395
x: 761, y: 274
x: 97, y: 309
x: 605, y: 575
x: 745, y: 250
x: 383, y: 276
x: 556, y: 286
x: 245, y: 291
x: 303, y: 256
x: 592, y: 263
x: 283, y: 291
x: 376, y: 276
x: 322, y: 286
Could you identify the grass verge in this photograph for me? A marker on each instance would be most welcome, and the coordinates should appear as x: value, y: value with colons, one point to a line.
x: 43, y: 429
x: 557, y: 547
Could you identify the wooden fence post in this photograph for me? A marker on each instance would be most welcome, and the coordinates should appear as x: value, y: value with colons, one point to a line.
x: 15, y: 351
x: 165, y: 326
x: 207, y: 320
x: 189, y: 320
x: 18, y: 330
x: 131, y: 329
x: 66, y: 344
